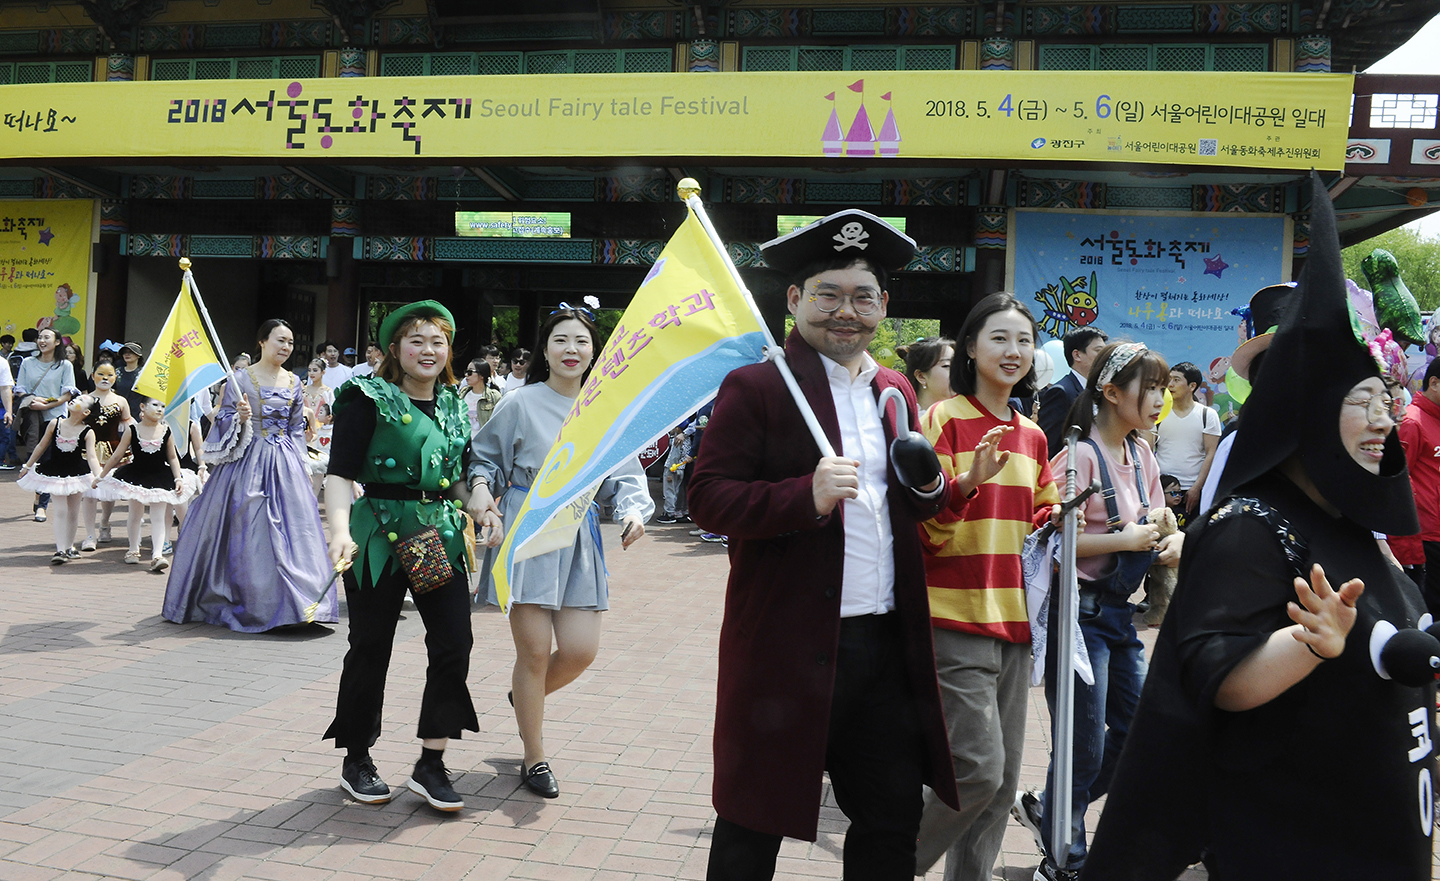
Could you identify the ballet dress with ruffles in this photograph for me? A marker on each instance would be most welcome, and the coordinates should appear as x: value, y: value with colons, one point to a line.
x: 65, y: 472
x: 147, y: 478
x: 105, y: 420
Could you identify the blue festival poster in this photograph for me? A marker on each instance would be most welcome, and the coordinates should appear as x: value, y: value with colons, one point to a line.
x: 1175, y: 282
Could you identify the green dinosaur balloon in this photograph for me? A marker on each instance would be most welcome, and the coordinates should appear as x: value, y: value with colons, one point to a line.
x: 1395, y: 306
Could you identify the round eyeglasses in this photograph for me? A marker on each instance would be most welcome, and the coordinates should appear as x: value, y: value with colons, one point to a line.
x: 863, y: 303
x: 1377, y: 406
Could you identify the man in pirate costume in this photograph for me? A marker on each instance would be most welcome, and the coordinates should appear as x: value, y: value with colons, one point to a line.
x: 826, y: 658
x: 1287, y: 724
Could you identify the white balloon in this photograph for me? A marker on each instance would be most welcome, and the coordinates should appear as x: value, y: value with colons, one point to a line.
x: 1056, y: 350
x: 1044, y: 368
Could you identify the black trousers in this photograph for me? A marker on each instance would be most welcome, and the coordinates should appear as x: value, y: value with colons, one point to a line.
x: 445, y: 707
x: 875, y: 759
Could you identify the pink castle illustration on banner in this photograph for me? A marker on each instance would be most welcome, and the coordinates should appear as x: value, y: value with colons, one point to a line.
x: 860, y: 139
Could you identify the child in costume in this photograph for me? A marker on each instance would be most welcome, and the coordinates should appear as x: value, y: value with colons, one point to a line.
x: 153, y: 477
x: 319, y: 398
x: 67, y: 474
x: 108, y: 419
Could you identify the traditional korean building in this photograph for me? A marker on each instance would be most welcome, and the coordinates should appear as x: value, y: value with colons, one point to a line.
x: 316, y: 157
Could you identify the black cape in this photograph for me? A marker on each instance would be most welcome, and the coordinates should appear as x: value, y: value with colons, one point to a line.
x: 1331, y: 780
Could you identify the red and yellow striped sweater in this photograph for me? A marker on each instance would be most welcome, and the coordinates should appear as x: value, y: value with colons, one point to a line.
x: 972, y: 559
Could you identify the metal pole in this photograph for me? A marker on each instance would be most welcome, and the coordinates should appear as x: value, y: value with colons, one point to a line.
x: 1063, y: 724
x: 689, y: 191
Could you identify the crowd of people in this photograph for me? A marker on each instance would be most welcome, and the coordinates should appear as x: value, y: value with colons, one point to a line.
x: 879, y: 623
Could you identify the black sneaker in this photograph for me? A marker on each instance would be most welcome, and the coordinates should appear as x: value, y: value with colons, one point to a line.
x: 362, y: 781
x: 431, y: 781
x: 1026, y: 810
x: 667, y: 519
x: 1048, y: 871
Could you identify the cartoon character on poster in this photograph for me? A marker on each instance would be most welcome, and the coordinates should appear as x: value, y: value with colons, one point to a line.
x: 63, y: 323
x: 1072, y: 303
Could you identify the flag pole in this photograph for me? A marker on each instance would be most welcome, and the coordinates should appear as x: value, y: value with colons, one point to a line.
x: 689, y: 191
x: 189, y: 281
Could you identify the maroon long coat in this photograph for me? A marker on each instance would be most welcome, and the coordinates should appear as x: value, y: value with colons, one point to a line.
x: 782, y: 605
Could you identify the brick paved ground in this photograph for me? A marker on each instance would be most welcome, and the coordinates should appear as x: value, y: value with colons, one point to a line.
x: 135, y: 748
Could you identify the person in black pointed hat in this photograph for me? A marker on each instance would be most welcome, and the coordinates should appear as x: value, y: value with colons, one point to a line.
x: 1277, y: 729
x: 826, y: 660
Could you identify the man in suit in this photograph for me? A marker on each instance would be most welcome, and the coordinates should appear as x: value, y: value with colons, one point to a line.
x: 826, y: 659
x: 1081, y: 347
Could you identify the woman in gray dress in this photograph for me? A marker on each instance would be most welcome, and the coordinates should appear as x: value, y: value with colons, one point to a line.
x: 562, y: 592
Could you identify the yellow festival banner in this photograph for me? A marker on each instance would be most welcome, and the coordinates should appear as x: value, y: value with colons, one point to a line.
x: 45, y: 266
x: 1258, y: 120
x: 688, y: 325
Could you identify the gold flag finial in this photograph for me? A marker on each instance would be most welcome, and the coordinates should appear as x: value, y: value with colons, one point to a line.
x: 184, y: 264
x: 687, y: 187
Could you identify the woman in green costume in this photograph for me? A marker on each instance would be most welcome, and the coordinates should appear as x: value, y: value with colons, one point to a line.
x: 402, y: 434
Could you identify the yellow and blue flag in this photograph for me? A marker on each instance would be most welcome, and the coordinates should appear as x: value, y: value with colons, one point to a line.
x: 186, y: 360
x: 689, y: 324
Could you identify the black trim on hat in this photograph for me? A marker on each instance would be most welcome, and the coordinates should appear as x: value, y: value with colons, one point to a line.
x: 851, y: 232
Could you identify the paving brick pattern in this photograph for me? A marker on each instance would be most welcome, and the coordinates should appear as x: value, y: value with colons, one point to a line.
x: 134, y: 748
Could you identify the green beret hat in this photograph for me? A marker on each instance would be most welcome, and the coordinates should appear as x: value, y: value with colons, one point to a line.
x: 422, y: 309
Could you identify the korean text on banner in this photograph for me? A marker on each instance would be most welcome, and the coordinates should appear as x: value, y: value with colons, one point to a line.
x: 185, y: 359
x: 688, y: 325
x: 45, y: 266
x: 1171, y: 281
x: 1217, y: 119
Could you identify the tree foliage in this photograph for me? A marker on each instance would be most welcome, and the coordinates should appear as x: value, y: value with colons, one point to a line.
x: 1419, y: 259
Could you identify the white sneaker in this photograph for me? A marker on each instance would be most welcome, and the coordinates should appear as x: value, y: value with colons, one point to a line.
x: 1026, y: 811
x: 159, y: 564
x: 104, y: 535
x: 40, y: 516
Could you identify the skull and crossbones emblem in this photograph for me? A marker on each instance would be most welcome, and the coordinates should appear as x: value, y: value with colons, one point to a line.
x: 851, y: 235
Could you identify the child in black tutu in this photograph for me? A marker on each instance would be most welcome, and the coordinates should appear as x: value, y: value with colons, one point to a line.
x: 66, y: 475
x: 153, y: 477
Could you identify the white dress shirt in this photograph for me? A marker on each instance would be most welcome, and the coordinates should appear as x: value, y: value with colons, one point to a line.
x: 868, y: 583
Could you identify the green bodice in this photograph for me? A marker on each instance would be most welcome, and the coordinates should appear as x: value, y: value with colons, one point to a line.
x: 412, y: 450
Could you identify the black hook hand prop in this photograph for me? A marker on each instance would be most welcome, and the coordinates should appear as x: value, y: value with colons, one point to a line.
x: 916, y: 465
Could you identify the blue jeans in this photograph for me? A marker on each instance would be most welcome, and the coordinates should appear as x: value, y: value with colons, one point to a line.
x: 7, y: 441
x: 1102, y: 711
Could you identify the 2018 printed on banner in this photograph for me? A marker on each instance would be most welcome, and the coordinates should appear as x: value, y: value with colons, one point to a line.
x: 1282, y: 120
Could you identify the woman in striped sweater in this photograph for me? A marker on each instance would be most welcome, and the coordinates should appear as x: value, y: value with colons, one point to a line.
x: 1001, y: 490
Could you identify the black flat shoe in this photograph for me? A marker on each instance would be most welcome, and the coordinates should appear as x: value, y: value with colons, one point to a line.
x: 539, y: 779
x: 510, y: 696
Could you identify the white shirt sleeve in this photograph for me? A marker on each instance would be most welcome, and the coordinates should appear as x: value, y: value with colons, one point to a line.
x: 1211, y: 421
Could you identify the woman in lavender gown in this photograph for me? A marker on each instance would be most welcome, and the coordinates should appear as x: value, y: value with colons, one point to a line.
x: 251, y: 555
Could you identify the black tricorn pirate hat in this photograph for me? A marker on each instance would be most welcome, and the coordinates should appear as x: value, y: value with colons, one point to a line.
x: 851, y: 232
x: 1317, y: 356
